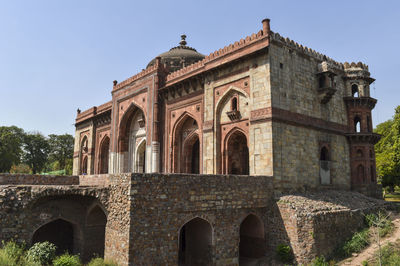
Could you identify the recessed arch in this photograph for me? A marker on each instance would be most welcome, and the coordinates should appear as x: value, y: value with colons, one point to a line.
x: 61, y: 232
x: 195, y: 242
x: 140, y: 157
x: 104, y: 155
x: 357, y: 124
x: 324, y: 154
x: 360, y: 153
x: 125, y: 124
x: 236, y: 153
x: 355, y: 90
x: 84, y: 149
x: 225, y: 95
x: 252, y: 237
x: 186, y: 145
x: 361, y: 173
x: 95, y: 227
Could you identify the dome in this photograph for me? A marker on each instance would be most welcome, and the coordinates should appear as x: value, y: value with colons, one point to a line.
x: 179, y: 56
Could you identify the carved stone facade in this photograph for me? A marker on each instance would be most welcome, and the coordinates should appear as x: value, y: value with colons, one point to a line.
x: 260, y: 106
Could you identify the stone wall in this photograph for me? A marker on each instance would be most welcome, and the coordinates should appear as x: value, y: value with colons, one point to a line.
x: 297, y: 155
x: 162, y: 204
x: 145, y: 214
x: 315, y: 223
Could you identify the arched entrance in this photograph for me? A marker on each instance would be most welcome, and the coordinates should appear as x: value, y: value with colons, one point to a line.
x: 95, y: 232
x: 84, y: 156
x: 191, y: 148
x: 84, y: 166
x: 59, y: 232
x: 141, y: 157
x: 252, y: 240
x: 186, y: 146
x: 195, y: 241
x: 132, y: 130
x: 237, y: 154
x: 104, y: 150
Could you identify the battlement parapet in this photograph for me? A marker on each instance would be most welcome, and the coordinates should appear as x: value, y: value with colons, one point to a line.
x: 229, y: 49
x: 276, y: 37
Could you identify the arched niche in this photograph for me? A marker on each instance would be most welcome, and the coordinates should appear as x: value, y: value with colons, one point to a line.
x: 232, y: 110
x: 186, y: 145
x: 95, y: 227
x: 104, y: 155
x: 195, y: 243
x: 252, y: 238
x: 62, y: 233
x: 236, y: 153
x: 84, y: 149
x: 132, y: 130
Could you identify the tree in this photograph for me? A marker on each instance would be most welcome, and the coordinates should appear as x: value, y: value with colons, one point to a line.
x: 36, y: 150
x: 61, y: 149
x: 10, y: 147
x: 387, y: 151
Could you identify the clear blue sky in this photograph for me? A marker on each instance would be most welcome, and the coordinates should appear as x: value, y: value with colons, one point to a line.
x: 56, y: 56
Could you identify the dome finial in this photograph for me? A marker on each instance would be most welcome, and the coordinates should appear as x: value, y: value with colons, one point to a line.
x: 183, y: 42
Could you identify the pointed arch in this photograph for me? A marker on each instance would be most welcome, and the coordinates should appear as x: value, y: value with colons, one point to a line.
x: 195, y: 242
x: 124, y: 125
x: 104, y: 155
x: 180, y: 164
x: 95, y: 228
x: 226, y: 94
x: 140, y: 157
x: 252, y: 237
x: 83, y: 154
x: 63, y: 233
x: 235, y: 152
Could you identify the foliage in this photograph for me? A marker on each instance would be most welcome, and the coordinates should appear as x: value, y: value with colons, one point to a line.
x: 357, y: 243
x: 387, y: 151
x: 42, y: 252
x: 67, y: 260
x: 11, y: 254
x: 390, y: 255
x: 284, y: 253
x: 68, y: 167
x: 61, y: 149
x: 10, y: 147
x: 364, y: 263
x: 101, y: 262
x: 319, y: 261
x: 20, y: 169
x: 36, y: 149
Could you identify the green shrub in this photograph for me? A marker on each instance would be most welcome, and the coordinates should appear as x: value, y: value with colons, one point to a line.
x: 284, y: 253
x: 42, y: 252
x: 12, y: 254
x: 319, y: 261
x: 101, y: 262
x: 364, y: 263
x: 385, y: 224
x: 357, y: 243
x: 67, y: 260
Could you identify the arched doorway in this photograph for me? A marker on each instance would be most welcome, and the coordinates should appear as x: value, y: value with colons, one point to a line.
x: 104, y: 151
x: 58, y: 232
x: 141, y: 157
x: 195, y: 241
x: 132, y: 130
x: 186, y: 146
x: 191, y: 148
x: 252, y: 239
x: 361, y: 174
x: 95, y: 232
x: 237, y: 154
x: 84, y: 156
x: 84, y: 166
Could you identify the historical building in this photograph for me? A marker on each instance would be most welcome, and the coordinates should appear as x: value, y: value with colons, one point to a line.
x: 264, y: 105
x: 212, y: 160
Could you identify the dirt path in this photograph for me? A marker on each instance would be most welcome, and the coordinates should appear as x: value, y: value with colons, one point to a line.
x: 367, y: 253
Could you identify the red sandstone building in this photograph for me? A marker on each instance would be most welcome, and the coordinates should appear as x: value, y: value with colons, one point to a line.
x: 263, y: 105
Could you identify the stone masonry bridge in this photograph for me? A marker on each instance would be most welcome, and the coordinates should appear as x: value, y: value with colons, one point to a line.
x: 171, y: 219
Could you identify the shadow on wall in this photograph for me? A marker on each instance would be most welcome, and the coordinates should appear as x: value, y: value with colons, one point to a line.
x: 75, y: 224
